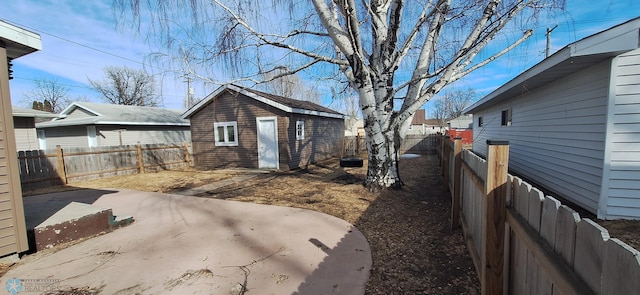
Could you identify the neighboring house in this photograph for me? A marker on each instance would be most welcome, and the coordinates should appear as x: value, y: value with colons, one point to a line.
x: 85, y: 124
x: 241, y: 127
x: 15, y: 42
x: 461, y: 127
x: 24, y: 123
x: 420, y: 125
x: 354, y: 127
x: 573, y: 122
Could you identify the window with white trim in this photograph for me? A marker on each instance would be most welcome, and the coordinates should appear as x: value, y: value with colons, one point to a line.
x: 299, y: 130
x: 226, y: 133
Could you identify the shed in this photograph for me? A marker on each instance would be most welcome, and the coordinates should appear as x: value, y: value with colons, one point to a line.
x: 14, y: 43
x: 461, y: 127
x: 24, y: 122
x: 87, y: 124
x: 573, y: 122
x: 241, y: 127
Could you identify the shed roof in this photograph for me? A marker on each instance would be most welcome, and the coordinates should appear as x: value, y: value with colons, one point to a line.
x: 31, y: 113
x: 572, y: 58
x: 111, y: 114
x: 286, y: 104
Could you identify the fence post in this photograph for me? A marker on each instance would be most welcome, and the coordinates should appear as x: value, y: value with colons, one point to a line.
x: 445, y: 164
x: 140, y: 161
x: 455, y: 201
x: 62, y: 173
x: 494, y: 219
x: 187, y: 156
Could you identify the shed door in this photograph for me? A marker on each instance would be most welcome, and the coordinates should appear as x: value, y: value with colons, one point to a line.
x: 267, y: 142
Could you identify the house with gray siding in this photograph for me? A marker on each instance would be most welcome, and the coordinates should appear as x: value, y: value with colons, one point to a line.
x: 86, y: 124
x: 24, y: 123
x: 241, y: 127
x: 573, y: 122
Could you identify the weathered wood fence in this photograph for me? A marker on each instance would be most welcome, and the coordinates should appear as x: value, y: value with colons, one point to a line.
x: 418, y: 144
x: 41, y: 168
x: 523, y: 242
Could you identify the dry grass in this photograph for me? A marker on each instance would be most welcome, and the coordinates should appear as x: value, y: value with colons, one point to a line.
x: 162, y: 181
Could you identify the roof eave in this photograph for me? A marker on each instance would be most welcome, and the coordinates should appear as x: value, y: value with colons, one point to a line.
x: 257, y: 97
x: 590, y: 50
x: 18, y: 41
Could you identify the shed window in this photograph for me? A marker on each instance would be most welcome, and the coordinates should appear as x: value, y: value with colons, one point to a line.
x: 299, y: 130
x: 506, y: 117
x: 480, y: 123
x: 226, y: 133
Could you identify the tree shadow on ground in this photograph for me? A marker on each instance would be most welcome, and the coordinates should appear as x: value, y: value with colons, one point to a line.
x: 413, y: 248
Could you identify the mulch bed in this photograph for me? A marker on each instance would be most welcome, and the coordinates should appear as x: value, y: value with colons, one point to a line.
x: 414, y: 249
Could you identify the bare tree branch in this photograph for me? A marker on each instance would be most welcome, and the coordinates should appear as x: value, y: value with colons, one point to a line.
x: 127, y: 86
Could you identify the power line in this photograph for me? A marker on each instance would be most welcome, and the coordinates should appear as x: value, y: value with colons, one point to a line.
x: 83, y: 45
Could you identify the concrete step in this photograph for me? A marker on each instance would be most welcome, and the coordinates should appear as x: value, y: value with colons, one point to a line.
x: 76, y: 221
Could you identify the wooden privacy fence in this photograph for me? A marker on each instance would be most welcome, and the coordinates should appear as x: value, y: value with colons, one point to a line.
x: 41, y: 168
x: 523, y: 242
x: 419, y: 144
x: 352, y: 146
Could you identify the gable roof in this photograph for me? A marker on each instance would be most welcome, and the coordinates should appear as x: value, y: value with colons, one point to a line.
x: 111, y: 114
x: 573, y: 57
x: 286, y: 104
x: 419, y: 118
x: 31, y: 113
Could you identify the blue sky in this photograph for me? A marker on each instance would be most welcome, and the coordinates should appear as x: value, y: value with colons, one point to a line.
x: 80, y: 38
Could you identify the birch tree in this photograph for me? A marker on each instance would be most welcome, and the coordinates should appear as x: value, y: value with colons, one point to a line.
x: 395, y: 54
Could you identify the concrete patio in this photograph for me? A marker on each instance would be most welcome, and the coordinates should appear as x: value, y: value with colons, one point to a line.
x: 190, y: 245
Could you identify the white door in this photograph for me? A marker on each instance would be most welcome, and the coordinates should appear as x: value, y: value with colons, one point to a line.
x: 267, y: 142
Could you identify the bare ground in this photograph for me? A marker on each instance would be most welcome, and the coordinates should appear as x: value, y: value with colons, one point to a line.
x: 414, y: 250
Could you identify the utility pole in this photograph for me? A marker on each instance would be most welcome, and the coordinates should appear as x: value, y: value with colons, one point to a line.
x: 188, y: 101
x: 549, y: 30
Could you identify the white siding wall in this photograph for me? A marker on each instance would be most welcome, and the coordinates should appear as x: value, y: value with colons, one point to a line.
x: 624, y: 141
x: 25, y: 132
x: 110, y: 135
x: 557, y: 134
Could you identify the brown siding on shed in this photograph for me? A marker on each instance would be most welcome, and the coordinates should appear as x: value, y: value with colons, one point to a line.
x: 229, y: 107
x: 322, y: 135
x: 322, y: 140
